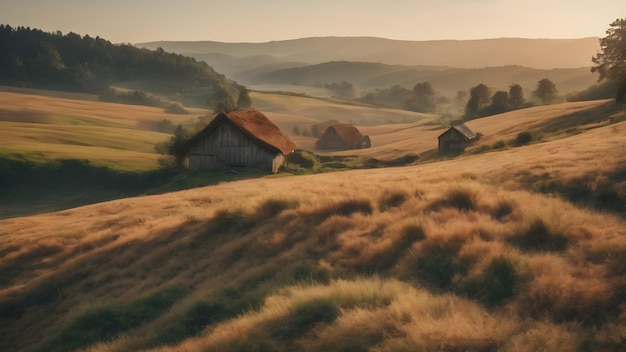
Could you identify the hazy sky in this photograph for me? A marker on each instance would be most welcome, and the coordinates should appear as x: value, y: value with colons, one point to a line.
x: 258, y: 21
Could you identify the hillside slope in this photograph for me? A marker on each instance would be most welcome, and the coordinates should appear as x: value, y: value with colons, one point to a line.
x: 462, y: 254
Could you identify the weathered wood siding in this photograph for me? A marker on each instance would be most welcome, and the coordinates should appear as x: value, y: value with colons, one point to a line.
x: 229, y: 146
x: 452, y: 141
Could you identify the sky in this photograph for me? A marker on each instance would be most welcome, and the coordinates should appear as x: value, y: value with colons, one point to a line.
x: 137, y: 21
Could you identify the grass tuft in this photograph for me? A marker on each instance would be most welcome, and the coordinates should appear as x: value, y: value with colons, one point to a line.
x: 494, y: 285
x: 461, y: 198
x: 392, y: 200
x: 539, y: 237
x: 345, y: 208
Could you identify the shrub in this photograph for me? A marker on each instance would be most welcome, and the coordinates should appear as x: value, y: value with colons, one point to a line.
x: 303, y: 159
x: 500, y: 144
x: 526, y: 137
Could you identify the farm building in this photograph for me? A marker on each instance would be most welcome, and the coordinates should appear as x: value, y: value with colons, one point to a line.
x: 239, y: 138
x: 341, y: 137
x: 456, y: 138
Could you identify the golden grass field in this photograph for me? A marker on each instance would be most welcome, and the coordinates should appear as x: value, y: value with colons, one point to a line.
x: 514, y: 249
x: 40, y: 127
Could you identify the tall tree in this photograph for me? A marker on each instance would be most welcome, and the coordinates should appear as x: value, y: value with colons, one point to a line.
x: 223, y: 101
x: 546, y: 91
x: 422, y: 99
x: 479, y: 96
x: 611, y: 60
x: 516, y: 95
x: 499, y: 102
x: 244, y: 101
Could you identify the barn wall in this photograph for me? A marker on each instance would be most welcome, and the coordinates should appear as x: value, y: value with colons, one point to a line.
x: 452, y: 141
x: 331, y: 140
x: 227, y: 145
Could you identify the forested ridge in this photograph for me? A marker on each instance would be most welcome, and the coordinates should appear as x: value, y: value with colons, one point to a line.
x: 37, y: 59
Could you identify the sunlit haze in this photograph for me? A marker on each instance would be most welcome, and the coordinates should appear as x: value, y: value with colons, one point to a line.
x: 136, y: 21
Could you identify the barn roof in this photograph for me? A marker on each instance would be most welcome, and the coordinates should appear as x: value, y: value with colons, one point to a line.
x: 255, y: 125
x: 464, y: 130
x: 348, y: 133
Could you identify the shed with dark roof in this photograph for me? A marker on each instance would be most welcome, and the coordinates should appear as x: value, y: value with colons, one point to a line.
x: 341, y: 137
x: 457, y: 138
x: 239, y: 138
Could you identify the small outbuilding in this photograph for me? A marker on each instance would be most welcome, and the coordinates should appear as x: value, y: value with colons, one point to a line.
x: 342, y: 137
x: 457, y: 138
x: 239, y: 138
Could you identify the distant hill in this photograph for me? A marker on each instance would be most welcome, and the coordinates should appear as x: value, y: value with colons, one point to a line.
x: 536, y: 53
x: 36, y: 59
x: 376, y: 63
x: 446, y: 80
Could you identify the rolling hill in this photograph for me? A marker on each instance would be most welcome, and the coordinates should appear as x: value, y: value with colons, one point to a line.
x: 536, y: 53
x: 516, y: 249
x: 446, y: 81
x: 376, y: 63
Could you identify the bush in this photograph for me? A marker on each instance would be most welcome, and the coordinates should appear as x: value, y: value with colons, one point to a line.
x: 500, y: 144
x: 303, y: 159
x: 526, y: 137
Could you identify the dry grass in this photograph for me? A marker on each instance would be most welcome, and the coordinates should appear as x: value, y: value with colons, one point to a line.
x: 455, y: 255
x: 45, y: 128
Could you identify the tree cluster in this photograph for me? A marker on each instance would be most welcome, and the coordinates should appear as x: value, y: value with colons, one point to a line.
x: 343, y: 89
x: 33, y: 58
x: 421, y: 98
x: 482, y: 103
x: 611, y: 60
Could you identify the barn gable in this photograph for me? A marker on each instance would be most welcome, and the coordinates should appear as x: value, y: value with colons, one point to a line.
x: 456, y: 138
x: 240, y: 138
x: 342, y: 136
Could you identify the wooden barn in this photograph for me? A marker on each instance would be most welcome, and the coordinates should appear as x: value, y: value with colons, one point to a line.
x: 456, y: 138
x: 239, y: 138
x: 342, y: 137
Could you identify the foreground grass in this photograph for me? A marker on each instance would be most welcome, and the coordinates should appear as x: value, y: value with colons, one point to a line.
x: 461, y: 254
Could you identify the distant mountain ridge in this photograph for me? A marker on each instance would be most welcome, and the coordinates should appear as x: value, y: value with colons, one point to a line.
x: 535, y: 53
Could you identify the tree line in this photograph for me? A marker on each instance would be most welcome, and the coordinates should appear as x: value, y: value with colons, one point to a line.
x: 71, y: 62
